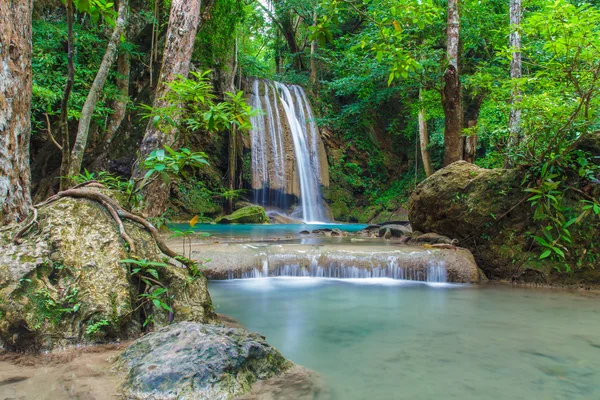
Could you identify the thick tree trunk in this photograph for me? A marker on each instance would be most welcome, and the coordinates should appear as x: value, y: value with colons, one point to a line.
x: 90, y: 102
x: 15, y: 108
x: 452, y: 96
x: 451, y: 99
x: 514, y: 123
x: 424, y: 139
x: 179, y: 45
x: 64, y: 115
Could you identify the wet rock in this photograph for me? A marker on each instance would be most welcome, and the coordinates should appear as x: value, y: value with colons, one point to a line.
x: 402, y: 222
x: 67, y: 275
x: 433, y: 238
x: 278, y: 218
x: 197, y: 361
x: 395, y: 230
x: 304, y: 232
x: 338, y: 233
x: 369, y: 230
x: 324, y: 231
x: 245, y: 215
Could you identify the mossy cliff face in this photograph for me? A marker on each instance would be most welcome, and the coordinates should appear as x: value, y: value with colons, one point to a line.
x: 66, y: 277
x: 487, y: 211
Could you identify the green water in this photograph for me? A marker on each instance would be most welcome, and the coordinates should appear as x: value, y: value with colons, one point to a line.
x: 381, y: 339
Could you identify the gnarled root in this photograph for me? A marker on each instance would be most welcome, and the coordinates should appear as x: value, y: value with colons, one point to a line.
x: 116, y: 212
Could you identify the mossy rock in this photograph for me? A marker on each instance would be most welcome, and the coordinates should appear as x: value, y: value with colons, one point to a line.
x: 340, y: 211
x: 485, y: 209
x: 245, y: 215
x: 197, y: 361
x: 194, y: 198
x: 66, y: 276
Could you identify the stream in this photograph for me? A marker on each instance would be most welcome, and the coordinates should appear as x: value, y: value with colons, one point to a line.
x: 388, y: 339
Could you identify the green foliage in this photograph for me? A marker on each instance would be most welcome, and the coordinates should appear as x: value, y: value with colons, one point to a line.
x: 168, y: 163
x: 553, y: 211
x: 97, y: 327
x: 54, y: 309
x: 97, y: 9
x: 49, y: 66
x: 148, y: 273
x: 192, y: 106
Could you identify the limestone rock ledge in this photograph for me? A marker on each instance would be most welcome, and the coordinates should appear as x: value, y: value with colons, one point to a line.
x: 340, y: 261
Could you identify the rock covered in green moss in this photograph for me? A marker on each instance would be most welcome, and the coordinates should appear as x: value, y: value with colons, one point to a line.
x: 194, y: 198
x: 245, y: 215
x: 197, y: 361
x: 487, y: 211
x: 65, y: 283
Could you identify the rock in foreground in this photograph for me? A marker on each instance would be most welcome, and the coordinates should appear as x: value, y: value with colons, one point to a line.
x: 196, y: 361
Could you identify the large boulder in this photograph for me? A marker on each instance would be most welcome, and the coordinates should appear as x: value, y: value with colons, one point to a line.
x: 245, y: 215
x: 486, y: 211
x: 197, y: 361
x: 65, y: 284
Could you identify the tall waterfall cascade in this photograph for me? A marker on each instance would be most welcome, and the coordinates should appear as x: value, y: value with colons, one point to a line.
x: 288, y: 156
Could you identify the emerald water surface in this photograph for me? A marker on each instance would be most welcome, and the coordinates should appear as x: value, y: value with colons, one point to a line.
x: 264, y: 231
x: 381, y: 339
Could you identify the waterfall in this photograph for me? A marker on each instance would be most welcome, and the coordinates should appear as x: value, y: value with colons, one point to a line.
x: 433, y: 273
x: 286, y: 150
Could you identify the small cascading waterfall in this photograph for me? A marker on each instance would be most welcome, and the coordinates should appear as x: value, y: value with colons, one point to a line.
x: 433, y: 273
x: 286, y: 154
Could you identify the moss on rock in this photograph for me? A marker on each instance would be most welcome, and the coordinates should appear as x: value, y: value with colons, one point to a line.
x: 67, y: 275
x: 487, y: 211
x: 245, y: 215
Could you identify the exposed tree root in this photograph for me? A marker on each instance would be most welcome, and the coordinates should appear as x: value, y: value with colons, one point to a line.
x: 82, y: 191
x: 26, y: 228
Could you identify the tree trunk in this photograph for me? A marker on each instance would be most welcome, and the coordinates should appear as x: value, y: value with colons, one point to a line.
x: 232, y: 151
x: 179, y: 45
x: 471, y: 105
x: 514, y: 123
x: 119, y: 106
x: 424, y: 139
x: 313, y: 50
x: 15, y: 108
x: 470, y: 146
x: 64, y: 115
x: 452, y: 96
x: 90, y: 102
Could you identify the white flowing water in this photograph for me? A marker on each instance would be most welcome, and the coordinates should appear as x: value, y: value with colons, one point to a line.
x: 269, y: 156
x: 259, y: 157
x: 343, y: 269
